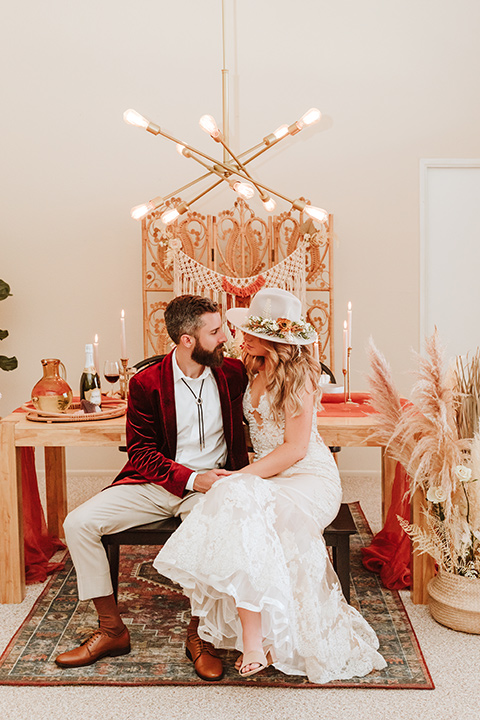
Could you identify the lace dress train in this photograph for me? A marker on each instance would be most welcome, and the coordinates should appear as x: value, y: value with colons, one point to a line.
x: 257, y: 543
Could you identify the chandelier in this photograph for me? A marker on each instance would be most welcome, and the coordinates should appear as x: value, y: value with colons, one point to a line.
x: 232, y: 169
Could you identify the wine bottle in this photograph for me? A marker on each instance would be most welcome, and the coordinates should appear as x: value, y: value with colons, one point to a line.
x: 90, y: 382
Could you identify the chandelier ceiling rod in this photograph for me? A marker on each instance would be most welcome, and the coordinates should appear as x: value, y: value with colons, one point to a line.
x: 225, y: 96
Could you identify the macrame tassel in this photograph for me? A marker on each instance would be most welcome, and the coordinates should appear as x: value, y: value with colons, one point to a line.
x: 177, y: 276
x: 190, y: 277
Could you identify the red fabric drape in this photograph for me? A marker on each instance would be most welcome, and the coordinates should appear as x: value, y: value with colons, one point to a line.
x: 39, y: 545
x: 389, y: 552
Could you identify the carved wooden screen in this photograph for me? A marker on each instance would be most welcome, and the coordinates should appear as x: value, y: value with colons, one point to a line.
x: 235, y: 243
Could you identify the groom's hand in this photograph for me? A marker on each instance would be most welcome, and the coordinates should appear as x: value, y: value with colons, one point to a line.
x: 204, y: 481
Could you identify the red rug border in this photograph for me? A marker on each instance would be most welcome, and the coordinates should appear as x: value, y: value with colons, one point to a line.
x: 422, y: 656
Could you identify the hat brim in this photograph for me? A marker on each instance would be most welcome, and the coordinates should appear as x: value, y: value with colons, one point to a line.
x: 237, y: 317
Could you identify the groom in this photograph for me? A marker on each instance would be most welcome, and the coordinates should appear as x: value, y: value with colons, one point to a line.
x: 184, y: 421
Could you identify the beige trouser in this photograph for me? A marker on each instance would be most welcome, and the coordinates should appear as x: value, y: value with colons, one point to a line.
x: 116, y: 508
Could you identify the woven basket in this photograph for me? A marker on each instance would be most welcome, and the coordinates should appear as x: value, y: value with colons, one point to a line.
x: 454, y: 601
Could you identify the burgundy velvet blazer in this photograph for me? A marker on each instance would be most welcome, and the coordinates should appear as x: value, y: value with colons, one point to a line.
x: 152, y: 425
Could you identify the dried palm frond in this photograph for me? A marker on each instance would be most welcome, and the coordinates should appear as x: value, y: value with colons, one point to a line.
x: 423, y: 541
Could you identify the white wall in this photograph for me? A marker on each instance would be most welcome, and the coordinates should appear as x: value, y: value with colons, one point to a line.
x: 395, y: 81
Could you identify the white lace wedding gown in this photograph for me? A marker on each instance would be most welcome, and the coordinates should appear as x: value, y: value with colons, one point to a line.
x: 258, y: 544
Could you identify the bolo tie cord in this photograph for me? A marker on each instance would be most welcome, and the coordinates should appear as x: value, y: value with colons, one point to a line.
x: 199, y: 401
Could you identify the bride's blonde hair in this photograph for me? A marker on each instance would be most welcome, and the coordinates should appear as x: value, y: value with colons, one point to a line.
x: 289, y: 368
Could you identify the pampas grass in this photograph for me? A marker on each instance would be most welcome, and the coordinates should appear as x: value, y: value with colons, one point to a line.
x: 423, y: 436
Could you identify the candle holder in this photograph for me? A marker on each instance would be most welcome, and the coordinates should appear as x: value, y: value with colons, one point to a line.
x: 346, y: 380
x: 124, y: 377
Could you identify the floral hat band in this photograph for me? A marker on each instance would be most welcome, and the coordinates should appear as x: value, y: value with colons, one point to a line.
x: 274, y: 315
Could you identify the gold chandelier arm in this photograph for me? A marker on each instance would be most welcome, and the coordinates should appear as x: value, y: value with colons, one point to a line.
x: 263, y: 196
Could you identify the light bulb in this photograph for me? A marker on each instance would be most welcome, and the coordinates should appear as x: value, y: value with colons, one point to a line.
x: 139, y: 211
x: 180, y: 148
x: 316, y: 213
x: 132, y: 117
x: 169, y: 216
x: 269, y: 204
x: 207, y: 123
x: 244, y: 190
x: 310, y: 117
x: 173, y: 213
x: 281, y: 131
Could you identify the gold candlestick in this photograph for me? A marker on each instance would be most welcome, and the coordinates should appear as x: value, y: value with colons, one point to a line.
x: 124, y: 378
x: 346, y: 380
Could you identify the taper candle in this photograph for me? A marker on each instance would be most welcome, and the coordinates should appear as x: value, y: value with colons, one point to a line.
x: 123, y: 339
x: 349, y: 324
x: 95, y: 355
x: 345, y: 345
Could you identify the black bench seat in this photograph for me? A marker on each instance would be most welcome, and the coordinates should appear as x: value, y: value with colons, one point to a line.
x: 337, y: 536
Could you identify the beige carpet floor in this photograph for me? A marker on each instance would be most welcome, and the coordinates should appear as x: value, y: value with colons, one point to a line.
x: 453, y: 659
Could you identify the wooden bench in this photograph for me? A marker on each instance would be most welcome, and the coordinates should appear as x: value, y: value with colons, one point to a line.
x: 337, y: 536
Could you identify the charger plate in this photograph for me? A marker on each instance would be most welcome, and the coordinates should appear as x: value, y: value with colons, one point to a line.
x: 111, y: 408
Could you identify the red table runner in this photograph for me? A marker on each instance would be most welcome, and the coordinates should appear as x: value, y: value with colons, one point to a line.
x: 333, y: 405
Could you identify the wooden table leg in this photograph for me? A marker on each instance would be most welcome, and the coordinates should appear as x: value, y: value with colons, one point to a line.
x: 56, y: 489
x: 12, y: 567
x: 389, y: 466
x: 422, y: 566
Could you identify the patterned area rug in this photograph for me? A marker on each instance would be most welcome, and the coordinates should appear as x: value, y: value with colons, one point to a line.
x: 157, y: 615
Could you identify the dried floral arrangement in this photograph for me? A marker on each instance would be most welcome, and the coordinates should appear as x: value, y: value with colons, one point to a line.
x: 424, y: 436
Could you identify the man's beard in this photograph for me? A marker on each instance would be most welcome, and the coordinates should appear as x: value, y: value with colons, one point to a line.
x: 209, y: 358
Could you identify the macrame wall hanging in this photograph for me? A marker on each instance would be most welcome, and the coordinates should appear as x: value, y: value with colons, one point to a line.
x: 229, y: 257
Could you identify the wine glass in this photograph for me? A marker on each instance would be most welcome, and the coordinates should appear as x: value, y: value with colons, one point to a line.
x: 111, y: 372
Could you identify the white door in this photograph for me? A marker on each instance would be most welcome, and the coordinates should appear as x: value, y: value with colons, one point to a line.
x: 450, y: 253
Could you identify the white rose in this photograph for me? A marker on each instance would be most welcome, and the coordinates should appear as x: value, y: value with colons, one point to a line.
x: 436, y: 495
x: 464, y: 474
x: 175, y: 244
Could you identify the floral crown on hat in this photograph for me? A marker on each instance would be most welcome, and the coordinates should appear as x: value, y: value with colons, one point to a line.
x: 275, y: 315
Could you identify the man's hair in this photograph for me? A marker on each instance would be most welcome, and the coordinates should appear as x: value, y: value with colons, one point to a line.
x: 183, y: 315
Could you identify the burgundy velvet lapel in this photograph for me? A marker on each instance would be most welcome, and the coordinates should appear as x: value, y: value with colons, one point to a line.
x: 166, y: 395
x: 226, y: 405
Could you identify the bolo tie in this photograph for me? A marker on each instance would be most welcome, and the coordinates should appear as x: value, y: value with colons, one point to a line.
x: 199, y: 401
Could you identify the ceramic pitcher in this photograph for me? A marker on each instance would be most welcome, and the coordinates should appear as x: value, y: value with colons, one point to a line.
x: 52, y: 393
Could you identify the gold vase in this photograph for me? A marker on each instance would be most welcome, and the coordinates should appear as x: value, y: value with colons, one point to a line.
x: 52, y: 393
x: 454, y: 601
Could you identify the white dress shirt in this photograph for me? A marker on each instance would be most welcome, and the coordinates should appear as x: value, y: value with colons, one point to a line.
x: 189, y: 453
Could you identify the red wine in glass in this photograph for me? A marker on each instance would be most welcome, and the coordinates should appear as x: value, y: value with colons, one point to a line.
x: 111, y: 373
x: 112, y: 378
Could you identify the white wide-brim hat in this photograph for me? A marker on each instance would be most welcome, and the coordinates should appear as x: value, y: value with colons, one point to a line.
x: 274, y: 315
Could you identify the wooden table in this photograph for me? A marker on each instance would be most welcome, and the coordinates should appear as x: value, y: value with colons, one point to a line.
x: 17, y: 432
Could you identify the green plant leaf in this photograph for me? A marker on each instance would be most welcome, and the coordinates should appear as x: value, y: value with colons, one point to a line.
x: 3, y: 334
x: 4, y: 290
x: 7, y: 363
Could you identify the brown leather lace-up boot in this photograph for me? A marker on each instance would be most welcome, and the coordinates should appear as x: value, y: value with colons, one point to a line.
x: 111, y: 639
x: 208, y: 665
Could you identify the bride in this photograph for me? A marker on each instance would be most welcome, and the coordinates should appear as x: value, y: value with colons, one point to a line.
x: 251, y: 555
